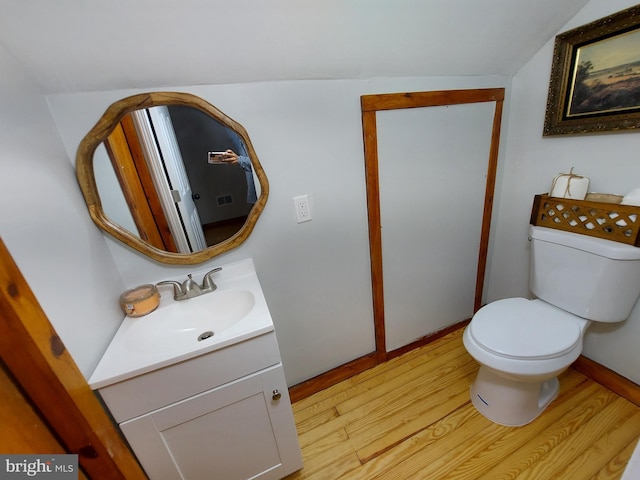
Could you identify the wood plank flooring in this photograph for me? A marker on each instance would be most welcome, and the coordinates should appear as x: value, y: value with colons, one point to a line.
x: 411, y: 418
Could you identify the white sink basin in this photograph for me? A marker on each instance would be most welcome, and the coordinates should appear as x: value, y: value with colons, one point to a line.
x: 182, y: 324
x: 180, y: 330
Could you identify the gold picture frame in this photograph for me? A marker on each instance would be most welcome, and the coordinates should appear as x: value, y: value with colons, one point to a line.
x: 595, y: 77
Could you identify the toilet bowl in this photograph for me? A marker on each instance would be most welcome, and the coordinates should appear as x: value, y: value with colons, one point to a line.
x: 522, y: 346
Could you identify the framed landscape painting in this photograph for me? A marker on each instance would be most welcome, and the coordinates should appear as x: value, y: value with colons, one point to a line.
x: 595, y: 77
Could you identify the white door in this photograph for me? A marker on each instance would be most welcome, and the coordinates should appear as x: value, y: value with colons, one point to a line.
x: 432, y: 175
x: 177, y: 174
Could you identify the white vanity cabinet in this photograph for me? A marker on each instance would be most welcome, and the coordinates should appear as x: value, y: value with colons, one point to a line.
x: 223, y: 415
x: 197, y: 385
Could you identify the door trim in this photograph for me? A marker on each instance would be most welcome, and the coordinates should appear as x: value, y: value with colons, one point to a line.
x: 370, y: 105
x: 39, y: 362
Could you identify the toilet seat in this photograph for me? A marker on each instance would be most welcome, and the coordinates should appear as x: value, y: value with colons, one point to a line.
x: 522, y: 346
x: 522, y: 329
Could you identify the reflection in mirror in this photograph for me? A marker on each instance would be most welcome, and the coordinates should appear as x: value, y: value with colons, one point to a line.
x: 203, y: 200
x: 171, y: 176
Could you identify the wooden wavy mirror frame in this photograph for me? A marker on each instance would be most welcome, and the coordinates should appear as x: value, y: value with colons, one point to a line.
x: 87, y: 181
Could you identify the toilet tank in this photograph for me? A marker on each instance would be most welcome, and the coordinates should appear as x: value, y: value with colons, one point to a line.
x: 590, y: 277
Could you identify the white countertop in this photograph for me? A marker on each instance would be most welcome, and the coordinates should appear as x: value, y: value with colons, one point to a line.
x: 123, y: 360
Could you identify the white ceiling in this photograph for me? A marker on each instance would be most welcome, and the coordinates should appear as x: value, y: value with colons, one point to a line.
x: 89, y: 45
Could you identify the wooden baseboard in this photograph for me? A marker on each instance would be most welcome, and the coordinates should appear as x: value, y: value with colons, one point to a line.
x: 595, y: 371
x: 608, y: 379
x: 333, y: 376
x: 427, y: 339
x: 348, y: 370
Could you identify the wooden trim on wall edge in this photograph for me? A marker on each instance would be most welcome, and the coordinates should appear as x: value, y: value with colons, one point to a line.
x: 427, y: 339
x: 370, y: 104
x: 591, y: 369
x: 359, y: 365
x: 41, y: 365
x: 331, y: 377
x: 608, y: 378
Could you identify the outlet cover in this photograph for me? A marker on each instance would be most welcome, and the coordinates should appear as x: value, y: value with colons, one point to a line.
x: 303, y: 210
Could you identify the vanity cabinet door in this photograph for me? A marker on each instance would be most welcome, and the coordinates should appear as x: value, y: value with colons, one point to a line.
x: 239, y: 430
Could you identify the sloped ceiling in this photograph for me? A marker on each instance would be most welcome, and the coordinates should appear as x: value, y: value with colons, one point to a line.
x: 89, y: 45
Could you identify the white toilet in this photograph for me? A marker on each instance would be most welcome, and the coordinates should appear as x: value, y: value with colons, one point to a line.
x: 523, y: 345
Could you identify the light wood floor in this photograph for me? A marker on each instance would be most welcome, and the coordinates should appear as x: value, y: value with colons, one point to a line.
x: 411, y: 418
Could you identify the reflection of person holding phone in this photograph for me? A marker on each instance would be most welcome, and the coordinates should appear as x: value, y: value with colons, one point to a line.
x: 229, y: 157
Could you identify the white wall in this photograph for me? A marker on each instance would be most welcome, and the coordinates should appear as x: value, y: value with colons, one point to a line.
x: 612, y: 161
x: 308, y: 137
x: 46, y: 228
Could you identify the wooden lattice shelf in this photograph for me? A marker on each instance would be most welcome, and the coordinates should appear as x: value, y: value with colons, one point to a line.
x: 611, y: 221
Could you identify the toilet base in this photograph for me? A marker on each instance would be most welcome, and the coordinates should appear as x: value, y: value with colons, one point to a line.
x: 510, y: 402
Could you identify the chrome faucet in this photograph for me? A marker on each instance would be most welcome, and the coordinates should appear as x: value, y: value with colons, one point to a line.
x: 190, y: 288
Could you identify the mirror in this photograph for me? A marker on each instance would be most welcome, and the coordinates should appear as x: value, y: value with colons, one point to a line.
x: 172, y: 177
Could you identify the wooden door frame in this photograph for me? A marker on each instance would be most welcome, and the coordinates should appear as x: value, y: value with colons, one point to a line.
x: 370, y: 105
x: 131, y: 169
x: 39, y: 362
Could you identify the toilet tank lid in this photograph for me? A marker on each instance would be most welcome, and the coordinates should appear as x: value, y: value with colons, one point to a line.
x: 597, y: 246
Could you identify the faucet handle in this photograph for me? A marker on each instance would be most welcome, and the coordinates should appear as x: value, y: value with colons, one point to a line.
x: 177, y: 288
x: 208, y: 283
